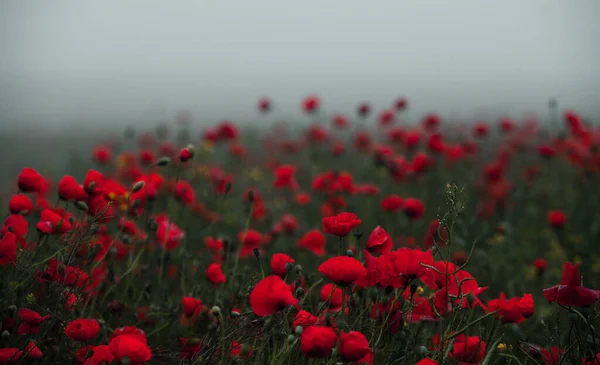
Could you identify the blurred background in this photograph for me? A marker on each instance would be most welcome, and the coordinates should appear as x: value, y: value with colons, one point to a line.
x: 81, y: 66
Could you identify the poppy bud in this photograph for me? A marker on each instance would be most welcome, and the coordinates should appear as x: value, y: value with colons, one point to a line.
x: 245, y: 350
x: 235, y: 314
x: 299, y: 292
x: 138, y: 186
x: 573, y: 317
x: 81, y: 206
x: 291, y: 339
x: 413, y: 288
x: 5, y: 334
x: 91, y: 186
x: 216, y: 311
x: 256, y: 252
x: 298, y: 330
x: 422, y: 350
x: 289, y: 266
x: 349, y: 253
x: 251, y: 196
x: 12, y: 308
x: 163, y: 161
x: 299, y: 269
x: 268, y: 323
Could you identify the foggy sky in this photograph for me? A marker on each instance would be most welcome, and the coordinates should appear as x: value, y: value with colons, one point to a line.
x: 121, y: 61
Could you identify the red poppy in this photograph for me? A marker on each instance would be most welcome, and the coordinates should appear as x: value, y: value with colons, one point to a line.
x: 526, y: 305
x: 480, y: 129
x: 570, y: 292
x: 186, y: 154
x: 82, y: 329
x: 16, y: 224
x: 508, y: 311
x: 468, y: 349
x: 30, y: 321
x: 101, y: 355
x: 317, y: 341
x: 131, y: 347
x: 540, y: 266
x: 215, y: 275
x: 32, y: 351
x: 264, y: 105
x: 341, y: 224
x: 311, y: 104
x: 413, y: 208
x: 343, y: 270
x: 331, y: 295
x: 102, y: 155
x: 168, y: 234
x: 10, y: 355
x: 279, y: 263
x: 313, y: 241
x: 401, y: 104
x: 20, y: 204
x: 353, y: 346
x: 30, y: 181
x: 391, y: 203
x: 363, y: 110
x: 387, y: 117
x: 51, y: 222
x: 69, y: 189
x: 557, y: 219
x: 8, y: 249
x: 427, y: 361
x: 191, y: 306
x: 379, y: 241
x: 250, y: 240
x: 304, y: 319
x: 340, y: 121
x: 271, y: 295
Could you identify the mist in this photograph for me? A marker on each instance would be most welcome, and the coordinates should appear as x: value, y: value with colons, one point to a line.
x: 81, y: 64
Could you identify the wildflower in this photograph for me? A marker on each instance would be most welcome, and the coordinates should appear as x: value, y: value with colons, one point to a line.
x: 570, y: 292
x: 317, y: 341
x: 270, y: 295
x: 341, y: 224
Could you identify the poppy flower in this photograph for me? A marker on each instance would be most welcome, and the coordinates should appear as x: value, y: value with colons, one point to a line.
x: 508, y: 311
x: 101, y: 355
x: 400, y: 267
x: 413, y: 208
x: 51, y: 222
x: 264, y: 105
x: 191, y: 306
x: 391, y: 203
x: 30, y: 321
x: 427, y: 361
x: 343, y: 270
x: 129, y: 331
x: 311, y: 104
x: 379, y: 242
x: 279, y: 263
x: 69, y: 189
x: 186, y: 154
x: 570, y: 292
x: 20, y: 204
x: 215, y: 275
x: 526, y: 305
x: 8, y: 249
x: 340, y: 121
x: 557, y: 219
x: 271, y: 295
x: 32, y: 351
x: 16, y: 224
x: 401, y: 104
x: 331, y: 295
x: 313, y: 241
x: 468, y: 349
x: 317, y: 341
x: 168, y: 234
x: 386, y: 117
x: 341, y: 224
x: 130, y: 347
x: 540, y: 266
x: 353, y: 346
x: 363, y: 110
x: 304, y: 319
x: 10, y: 355
x: 82, y: 329
x: 284, y: 177
x: 102, y: 155
x: 250, y: 239
x: 30, y: 181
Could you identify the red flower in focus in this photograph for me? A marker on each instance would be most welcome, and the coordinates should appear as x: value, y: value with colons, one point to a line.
x: 215, y: 275
x: 16, y: 224
x: 304, y: 319
x: 570, y: 292
x: 413, y: 208
x: 392, y: 203
x: 507, y: 310
x: 101, y: 355
x: 82, y: 329
x: 130, y: 347
x: 30, y: 181
x: 526, y: 305
x: 271, y: 295
x: 343, y: 270
x: 331, y: 295
x: 379, y: 241
x: 8, y: 249
x: 353, y: 346
x: 317, y: 341
x: 313, y: 241
x: 279, y: 263
x: 20, y: 204
x: 32, y: 351
x: 341, y: 224
x: 557, y: 219
x: 311, y: 104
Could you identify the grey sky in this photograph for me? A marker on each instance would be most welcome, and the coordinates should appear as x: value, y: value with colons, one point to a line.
x: 126, y: 60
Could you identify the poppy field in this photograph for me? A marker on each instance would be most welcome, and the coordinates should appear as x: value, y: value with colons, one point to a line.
x: 356, y: 238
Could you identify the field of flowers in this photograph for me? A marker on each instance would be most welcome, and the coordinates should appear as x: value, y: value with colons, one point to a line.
x: 357, y: 238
